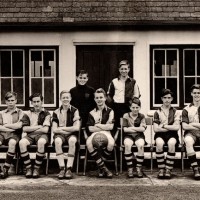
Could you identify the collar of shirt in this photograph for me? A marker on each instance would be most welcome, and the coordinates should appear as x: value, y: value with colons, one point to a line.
x: 127, y: 79
x: 33, y: 110
x: 104, y: 108
x: 14, y: 111
x: 69, y: 108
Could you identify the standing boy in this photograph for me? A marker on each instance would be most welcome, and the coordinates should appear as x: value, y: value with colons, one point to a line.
x: 36, y: 123
x: 101, y: 121
x: 121, y: 90
x: 166, y: 125
x: 66, y: 124
x: 83, y: 96
x: 10, y: 129
x: 191, y: 125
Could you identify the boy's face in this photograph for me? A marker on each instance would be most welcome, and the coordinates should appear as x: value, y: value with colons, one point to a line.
x: 65, y: 99
x: 100, y: 99
x: 11, y: 102
x: 135, y: 108
x: 124, y: 70
x: 37, y: 103
x: 196, y: 95
x: 167, y: 99
x: 82, y: 79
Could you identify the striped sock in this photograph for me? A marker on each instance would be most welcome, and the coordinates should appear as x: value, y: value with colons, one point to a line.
x: 95, y: 155
x: 129, y: 159
x: 26, y: 158
x: 9, y: 159
x: 39, y: 159
x: 193, y: 160
x: 140, y: 160
x: 160, y: 159
x: 170, y: 160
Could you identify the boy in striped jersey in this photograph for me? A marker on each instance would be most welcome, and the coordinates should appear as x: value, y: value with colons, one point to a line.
x: 166, y: 124
x: 191, y: 125
x: 136, y: 125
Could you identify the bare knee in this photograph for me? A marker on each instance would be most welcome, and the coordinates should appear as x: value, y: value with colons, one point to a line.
x: 72, y: 141
x: 41, y: 142
x: 159, y: 144
x: 128, y: 145
x: 23, y: 143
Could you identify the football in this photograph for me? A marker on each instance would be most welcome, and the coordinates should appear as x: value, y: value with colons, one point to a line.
x: 100, y: 140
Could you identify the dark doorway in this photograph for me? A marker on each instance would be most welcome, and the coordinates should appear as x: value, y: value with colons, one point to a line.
x: 101, y: 62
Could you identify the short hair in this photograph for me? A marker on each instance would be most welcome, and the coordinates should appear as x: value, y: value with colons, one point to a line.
x: 166, y: 92
x: 10, y: 94
x: 81, y: 72
x: 63, y: 92
x: 36, y: 95
x: 100, y: 90
x: 124, y: 62
x: 195, y: 86
x: 135, y: 100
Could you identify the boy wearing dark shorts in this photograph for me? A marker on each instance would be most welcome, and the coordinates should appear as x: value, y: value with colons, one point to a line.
x: 65, y: 125
x: 10, y: 129
x: 166, y: 125
x: 191, y: 126
x: 36, y: 123
x: 133, y: 134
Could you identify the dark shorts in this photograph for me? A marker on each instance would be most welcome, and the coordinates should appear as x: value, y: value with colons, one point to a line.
x: 166, y: 136
x: 33, y: 138
x: 5, y: 137
x: 135, y: 136
x: 63, y: 137
x: 195, y: 134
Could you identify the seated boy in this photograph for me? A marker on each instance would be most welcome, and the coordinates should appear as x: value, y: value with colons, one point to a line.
x: 101, y: 120
x: 66, y: 124
x: 166, y: 125
x: 36, y: 123
x: 133, y: 133
x: 10, y: 129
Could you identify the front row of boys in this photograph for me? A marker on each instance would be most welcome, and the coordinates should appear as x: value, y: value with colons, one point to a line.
x: 66, y: 122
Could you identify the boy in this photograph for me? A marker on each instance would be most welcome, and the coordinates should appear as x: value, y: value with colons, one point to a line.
x: 133, y: 133
x: 66, y: 124
x: 121, y: 90
x: 36, y: 123
x: 10, y: 129
x: 100, y: 121
x: 191, y: 125
x: 166, y: 125
x: 83, y: 96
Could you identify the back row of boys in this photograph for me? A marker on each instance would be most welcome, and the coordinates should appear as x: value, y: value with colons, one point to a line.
x: 89, y: 105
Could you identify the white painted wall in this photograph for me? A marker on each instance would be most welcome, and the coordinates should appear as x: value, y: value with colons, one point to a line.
x: 67, y: 50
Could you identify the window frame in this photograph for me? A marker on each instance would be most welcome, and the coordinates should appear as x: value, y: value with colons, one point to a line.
x: 26, y: 73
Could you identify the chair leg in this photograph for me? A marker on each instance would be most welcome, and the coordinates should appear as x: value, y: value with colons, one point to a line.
x: 85, y: 162
x: 77, y: 163
x: 121, y: 159
x: 17, y: 163
x: 116, y: 167
x: 47, y: 164
x: 182, y: 162
x: 151, y: 162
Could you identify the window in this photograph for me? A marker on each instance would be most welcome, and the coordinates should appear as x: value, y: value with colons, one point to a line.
x: 29, y: 70
x: 176, y: 67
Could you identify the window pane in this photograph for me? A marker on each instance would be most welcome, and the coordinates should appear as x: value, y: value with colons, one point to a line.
x: 18, y: 88
x: 48, y: 91
x: 5, y: 63
x: 171, y: 67
x: 159, y: 85
x: 5, y: 87
x: 159, y: 62
x: 48, y: 63
x: 36, y: 63
x: 188, y: 84
x: 172, y: 85
x: 198, y: 63
x: 36, y: 85
x: 17, y: 60
x: 189, y: 62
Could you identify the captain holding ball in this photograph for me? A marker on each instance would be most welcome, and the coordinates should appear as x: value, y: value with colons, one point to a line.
x: 99, y: 125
